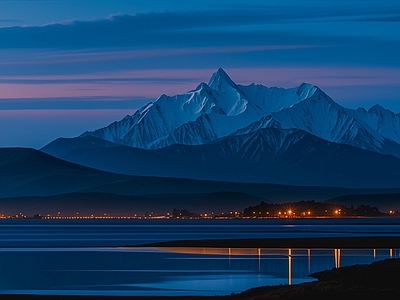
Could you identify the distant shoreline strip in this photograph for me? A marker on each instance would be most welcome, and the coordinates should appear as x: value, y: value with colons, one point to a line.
x: 377, y: 242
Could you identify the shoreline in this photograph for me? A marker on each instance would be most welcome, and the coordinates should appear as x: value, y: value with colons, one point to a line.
x: 370, y: 242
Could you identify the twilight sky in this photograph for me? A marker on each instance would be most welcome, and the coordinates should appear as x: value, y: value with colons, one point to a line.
x: 71, y: 66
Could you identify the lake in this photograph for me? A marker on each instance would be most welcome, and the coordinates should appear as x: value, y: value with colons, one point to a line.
x: 87, y: 258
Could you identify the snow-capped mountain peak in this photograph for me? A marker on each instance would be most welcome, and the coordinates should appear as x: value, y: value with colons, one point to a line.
x: 383, y: 121
x: 222, y: 107
x: 377, y: 108
x: 220, y: 81
x: 306, y: 90
x: 318, y: 114
x: 231, y: 99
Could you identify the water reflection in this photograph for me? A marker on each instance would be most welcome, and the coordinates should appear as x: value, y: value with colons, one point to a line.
x: 351, y: 256
x: 169, y: 271
x: 90, y: 233
x: 337, y: 258
x: 290, y: 267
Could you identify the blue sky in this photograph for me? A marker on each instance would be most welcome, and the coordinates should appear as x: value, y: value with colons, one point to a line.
x: 71, y: 66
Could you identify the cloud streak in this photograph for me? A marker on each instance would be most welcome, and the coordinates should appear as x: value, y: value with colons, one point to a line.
x: 174, y: 28
x: 89, y: 103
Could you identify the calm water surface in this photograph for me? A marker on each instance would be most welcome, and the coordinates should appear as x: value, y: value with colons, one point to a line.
x: 86, y: 257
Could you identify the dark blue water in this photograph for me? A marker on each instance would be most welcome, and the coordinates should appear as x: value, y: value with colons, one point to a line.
x: 62, y: 233
x: 85, y: 257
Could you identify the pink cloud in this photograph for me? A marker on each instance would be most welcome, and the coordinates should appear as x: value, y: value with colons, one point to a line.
x: 141, y: 83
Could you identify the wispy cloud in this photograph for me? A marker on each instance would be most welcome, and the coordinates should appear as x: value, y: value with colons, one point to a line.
x: 169, y: 28
x: 96, y: 55
x: 11, y: 21
x: 83, y: 103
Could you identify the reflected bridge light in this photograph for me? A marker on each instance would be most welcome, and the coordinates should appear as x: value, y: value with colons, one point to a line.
x: 289, y: 266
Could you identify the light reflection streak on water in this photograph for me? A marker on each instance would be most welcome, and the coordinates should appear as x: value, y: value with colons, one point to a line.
x: 269, y: 253
x: 290, y: 266
x: 337, y: 258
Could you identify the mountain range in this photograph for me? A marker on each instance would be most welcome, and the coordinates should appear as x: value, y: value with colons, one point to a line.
x: 235, y: 133
x: 33, y: 182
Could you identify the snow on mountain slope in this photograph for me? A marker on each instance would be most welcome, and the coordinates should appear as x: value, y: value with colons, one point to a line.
x: 381, y: 120
x: 322, y: 117
x: 222, y: 108
x: 210, y: 111
x: 277, y: 98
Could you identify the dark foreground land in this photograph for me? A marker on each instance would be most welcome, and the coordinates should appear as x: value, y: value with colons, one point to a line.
x: 378, y: 280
